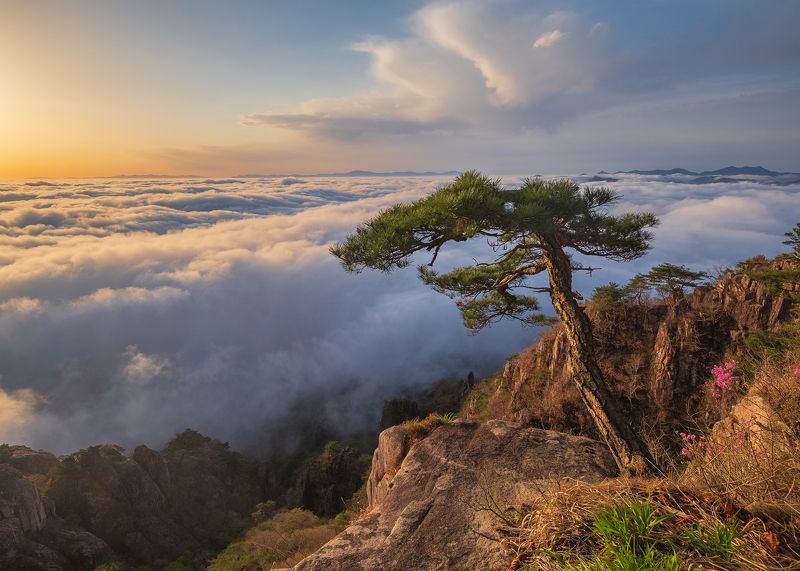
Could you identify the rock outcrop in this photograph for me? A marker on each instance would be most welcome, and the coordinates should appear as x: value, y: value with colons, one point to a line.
x: 32, y: 537
x: 22, y: 508
x: 101, y: 505
x: 386, y: 461
x: 29, y: 462
x: 325, y: 483
x: 655, y: 355
x: 438, y: 504
x: 109, y: 494
x: 212, y: 488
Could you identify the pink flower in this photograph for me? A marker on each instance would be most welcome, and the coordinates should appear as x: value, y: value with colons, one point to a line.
x: 723, y: 374
x: 796, y: 371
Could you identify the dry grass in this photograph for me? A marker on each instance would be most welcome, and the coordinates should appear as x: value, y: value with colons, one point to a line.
x: 743, y: 476
x: 279, y: 542
x: 752, y: 456
x: 417, y: 429
x: 558, y: 530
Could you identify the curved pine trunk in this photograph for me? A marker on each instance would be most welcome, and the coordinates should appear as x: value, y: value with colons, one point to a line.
x: 628, y: 450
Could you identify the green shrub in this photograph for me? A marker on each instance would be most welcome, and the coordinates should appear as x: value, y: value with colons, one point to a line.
x: 648, y: 560
x: 717, y: 539
x: 263, y: 511
x: 628, y: 526
x: 770, y: 344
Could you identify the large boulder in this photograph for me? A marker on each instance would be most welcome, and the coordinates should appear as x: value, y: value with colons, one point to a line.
x: 386, y: 461
x: 440, y: 507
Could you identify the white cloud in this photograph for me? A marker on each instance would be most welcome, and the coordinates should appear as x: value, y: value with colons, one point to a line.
x: 140, y: 368
x: 550, y: 38
x: 463, y: 65
x: 509, y: 85
x: 140, y: 311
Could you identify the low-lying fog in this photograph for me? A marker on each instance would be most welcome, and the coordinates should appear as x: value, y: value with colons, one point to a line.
x: 131, y: 309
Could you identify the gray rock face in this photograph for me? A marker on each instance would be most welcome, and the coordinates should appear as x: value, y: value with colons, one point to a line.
x: 432, y: 505
x: 154, y: 465
x: 386, y: 461
x: 22, y: 509
x: 31, y: 536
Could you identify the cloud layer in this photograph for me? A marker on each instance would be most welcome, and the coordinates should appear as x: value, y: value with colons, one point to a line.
x: 130, y: 309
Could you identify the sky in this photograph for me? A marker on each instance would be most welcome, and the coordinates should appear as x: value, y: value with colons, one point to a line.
x: 199, y: 87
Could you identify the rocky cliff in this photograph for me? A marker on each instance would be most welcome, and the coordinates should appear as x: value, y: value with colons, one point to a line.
x: 440, y: 503
x: 655, y: 353
x: 443, y: 502
x: 102, y: 505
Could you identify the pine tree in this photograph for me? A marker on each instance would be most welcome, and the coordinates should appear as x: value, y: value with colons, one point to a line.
x: 669, y: 279
x: 530, y: 230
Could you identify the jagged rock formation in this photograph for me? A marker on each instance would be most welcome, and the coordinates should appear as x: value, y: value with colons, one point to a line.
x: 101, y: 505
x: 328, y: 481
x: 112, y: 496
x: 21, y: 507
x: 211, y: 487
x: 32, y: 536
x: 655, y: 355
x: 438, y: 504
x: 392, y: 448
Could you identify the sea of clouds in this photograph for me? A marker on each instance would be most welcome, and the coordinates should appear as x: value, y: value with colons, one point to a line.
x: 133, y: 308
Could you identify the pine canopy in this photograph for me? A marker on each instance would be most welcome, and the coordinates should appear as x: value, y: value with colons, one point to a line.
x: 520, y: 226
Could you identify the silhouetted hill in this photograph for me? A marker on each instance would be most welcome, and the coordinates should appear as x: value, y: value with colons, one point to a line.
x: 355, y: 173
x: 753, y: 171
x: 659, y: 172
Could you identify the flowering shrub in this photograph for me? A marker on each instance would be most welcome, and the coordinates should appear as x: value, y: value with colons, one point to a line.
x: 693, y: 444
x: 723, y: 375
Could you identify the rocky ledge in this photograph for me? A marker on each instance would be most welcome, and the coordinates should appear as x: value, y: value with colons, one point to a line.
x: 439, y: 503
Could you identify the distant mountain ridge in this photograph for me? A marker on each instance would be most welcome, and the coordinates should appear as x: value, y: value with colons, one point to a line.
x: 355, y: 173
x: 731, y: 174
x: 727, y: 171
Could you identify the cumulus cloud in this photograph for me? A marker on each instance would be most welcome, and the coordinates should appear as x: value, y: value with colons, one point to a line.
x: 136, y: 308
x: 502, y: 83
x: 461, y: 66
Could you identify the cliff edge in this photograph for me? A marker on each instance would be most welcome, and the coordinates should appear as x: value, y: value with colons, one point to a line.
x: 441, y: 503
